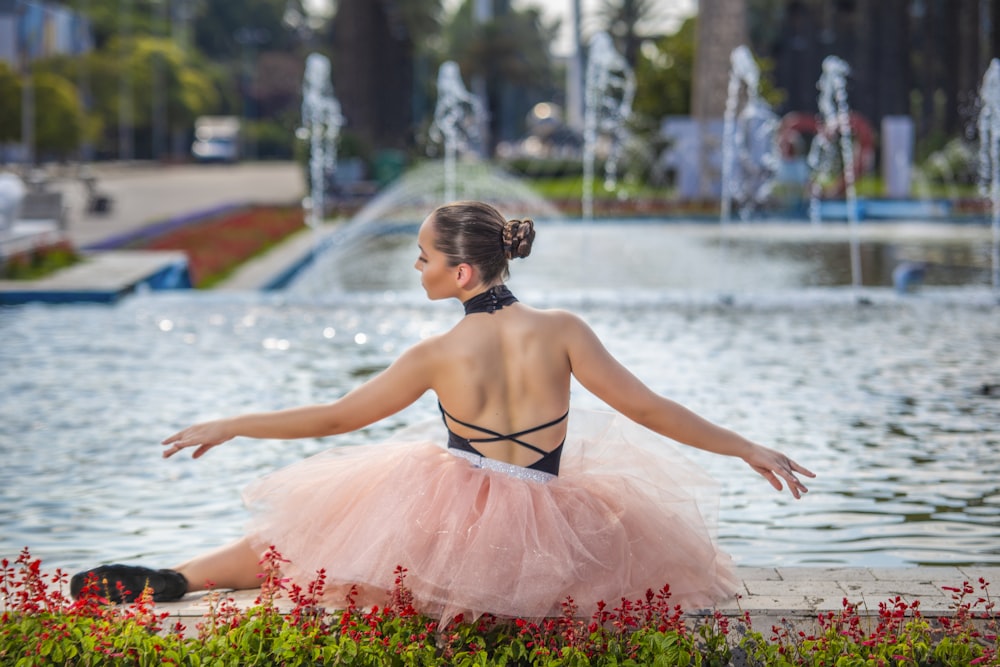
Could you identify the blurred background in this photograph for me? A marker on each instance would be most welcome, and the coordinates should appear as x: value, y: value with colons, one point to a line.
x: 97, y: 80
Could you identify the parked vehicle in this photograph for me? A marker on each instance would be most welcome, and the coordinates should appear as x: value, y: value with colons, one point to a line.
x: 216, y: 139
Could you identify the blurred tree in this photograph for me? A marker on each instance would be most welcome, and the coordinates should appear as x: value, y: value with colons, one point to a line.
x: 513, y: 46
x: 924, y: 58
x: 106, y: 18
x: 422, y: 19
x: 189, y: 89
x: 722, y: 26
x: 511, y: 53
x: 623, y: 20
x: 223, y: 32
x: 277, y: 88
x: 223, y: 28
x: 374, y: 56
x: 663, y: 74
x: 10, y: 104
x: 190, y: 92
x: 59, y: 121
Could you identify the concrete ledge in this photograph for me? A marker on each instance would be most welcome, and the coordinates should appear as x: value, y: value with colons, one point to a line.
x: 275, y: 268
x: 101, y: 278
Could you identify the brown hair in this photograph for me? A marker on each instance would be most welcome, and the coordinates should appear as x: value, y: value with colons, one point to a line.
x: 476, y: 233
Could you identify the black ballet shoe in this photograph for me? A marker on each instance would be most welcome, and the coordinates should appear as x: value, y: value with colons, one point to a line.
x: 125, y: 583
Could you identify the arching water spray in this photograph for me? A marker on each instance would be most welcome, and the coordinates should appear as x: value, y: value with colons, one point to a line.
x: 399, y: 208
x: 609, y: 88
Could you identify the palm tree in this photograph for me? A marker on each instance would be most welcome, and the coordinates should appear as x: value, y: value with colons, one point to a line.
x: 374, y: 45
x: 722, y: 26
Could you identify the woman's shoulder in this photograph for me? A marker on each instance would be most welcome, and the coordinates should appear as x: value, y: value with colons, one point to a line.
x: 558, y: 317
x: 428, y: 350
x: 555, y: 324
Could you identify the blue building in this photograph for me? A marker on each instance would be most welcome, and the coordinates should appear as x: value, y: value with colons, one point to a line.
x: 30, y: 30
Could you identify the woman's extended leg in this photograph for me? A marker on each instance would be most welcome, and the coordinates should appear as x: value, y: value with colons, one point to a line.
x: 233, y: 566
x: 236, y: 565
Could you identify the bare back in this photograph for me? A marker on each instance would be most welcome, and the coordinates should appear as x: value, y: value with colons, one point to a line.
x: 507, y: 371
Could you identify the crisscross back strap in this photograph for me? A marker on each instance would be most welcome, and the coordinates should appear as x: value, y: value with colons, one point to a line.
x: 498, y: 437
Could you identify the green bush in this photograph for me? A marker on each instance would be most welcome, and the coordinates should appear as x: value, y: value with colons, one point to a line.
x: 542, y: 168
x: 38, y: 262
x: 271, y: 140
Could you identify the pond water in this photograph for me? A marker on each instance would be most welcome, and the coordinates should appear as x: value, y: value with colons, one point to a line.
x: 895, y: 402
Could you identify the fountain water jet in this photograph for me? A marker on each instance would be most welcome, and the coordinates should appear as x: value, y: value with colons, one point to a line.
x: 835, y: 113
x: 321, y: 123
x: 12, y: 193
x: 749, y: 150
x: 405, y: 203
x: 989, y: 156
x: 457, y: 117
x: 609, y: 87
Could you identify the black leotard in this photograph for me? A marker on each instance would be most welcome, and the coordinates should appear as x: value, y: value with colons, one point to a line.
x: 493, y: 299
x: 549, y: 462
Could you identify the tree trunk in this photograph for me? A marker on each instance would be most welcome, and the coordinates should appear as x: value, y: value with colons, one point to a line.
x: 372, y: 62
x: 722, y: 26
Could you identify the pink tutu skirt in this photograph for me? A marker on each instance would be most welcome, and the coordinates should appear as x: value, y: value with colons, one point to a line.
x: 627, y: 513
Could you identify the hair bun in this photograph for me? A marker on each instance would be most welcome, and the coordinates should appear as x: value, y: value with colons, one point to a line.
x: 517, y: 238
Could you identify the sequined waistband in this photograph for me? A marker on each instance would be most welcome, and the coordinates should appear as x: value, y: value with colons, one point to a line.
x: 510, y: 469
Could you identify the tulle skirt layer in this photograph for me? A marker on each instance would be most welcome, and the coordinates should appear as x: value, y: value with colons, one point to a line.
x: 627, y: 513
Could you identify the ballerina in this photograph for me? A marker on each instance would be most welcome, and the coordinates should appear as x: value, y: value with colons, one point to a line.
x: 509, y: 504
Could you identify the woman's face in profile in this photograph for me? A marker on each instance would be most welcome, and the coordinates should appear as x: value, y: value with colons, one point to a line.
x: 436, y: 275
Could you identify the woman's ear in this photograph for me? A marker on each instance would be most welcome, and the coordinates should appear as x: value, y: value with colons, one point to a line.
x: 465, y: 275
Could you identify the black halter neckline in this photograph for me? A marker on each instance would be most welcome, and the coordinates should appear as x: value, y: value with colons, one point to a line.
x: 490, y: 301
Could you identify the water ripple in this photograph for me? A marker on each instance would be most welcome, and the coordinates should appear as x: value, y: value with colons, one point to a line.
x: 882, y: 401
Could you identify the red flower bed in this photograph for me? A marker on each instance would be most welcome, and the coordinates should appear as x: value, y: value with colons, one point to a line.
x: 218, y: 246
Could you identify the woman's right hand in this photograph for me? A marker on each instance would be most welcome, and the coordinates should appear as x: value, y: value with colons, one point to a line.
x: 202, y: 436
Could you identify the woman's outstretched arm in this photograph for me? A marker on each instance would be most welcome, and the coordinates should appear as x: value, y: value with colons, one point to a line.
x: 601, y: 374
x: 398, y: 386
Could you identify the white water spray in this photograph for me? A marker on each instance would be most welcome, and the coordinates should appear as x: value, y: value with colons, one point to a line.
x: 749, y: 151
x: 836, y: 117
x: 457, y: 118
x: 989, y: 156
x: 321, y: 122
x: 609, y: 88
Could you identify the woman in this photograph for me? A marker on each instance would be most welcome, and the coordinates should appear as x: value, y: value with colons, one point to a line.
x: 507, y: 519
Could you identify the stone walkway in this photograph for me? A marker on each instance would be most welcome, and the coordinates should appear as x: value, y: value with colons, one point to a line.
x: 144, y: 194
x: 772, y: 595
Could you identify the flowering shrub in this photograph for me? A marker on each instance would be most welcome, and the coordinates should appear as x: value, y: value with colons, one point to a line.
x: 37, y: 262
x: 39, y: 625
x: 217, y: 246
